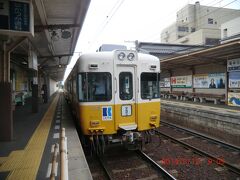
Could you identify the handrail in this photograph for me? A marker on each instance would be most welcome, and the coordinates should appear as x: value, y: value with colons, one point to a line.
x: 63, y: 156
x: 54, y: 162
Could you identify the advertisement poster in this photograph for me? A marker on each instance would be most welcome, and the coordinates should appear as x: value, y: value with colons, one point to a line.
x: 165, y: 83
x: 233, y: 99
x: 234, y: 79
x: 181, y: 81
x: 215, y: 80
x: 200, y: 81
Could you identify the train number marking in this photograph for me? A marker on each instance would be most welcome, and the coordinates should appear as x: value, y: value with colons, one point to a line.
x: 126, y: 110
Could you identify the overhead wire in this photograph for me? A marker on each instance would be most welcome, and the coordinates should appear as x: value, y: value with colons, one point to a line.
x: 109, y: 17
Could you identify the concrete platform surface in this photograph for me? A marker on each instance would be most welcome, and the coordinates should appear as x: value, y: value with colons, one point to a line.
x: 30, y: 155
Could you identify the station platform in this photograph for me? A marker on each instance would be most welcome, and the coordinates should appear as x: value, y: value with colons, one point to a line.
x: 217, y: 108
x: 29, y: 155
x: 217, y: 120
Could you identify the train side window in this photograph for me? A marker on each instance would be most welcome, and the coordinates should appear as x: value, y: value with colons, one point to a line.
x: 125, y: 86
x: 95, y: 87
x: 150, y: 85
x: 82, y: 87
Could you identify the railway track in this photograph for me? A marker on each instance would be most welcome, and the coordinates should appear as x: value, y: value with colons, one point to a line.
x: 166, y: 174
x: 216, y: 141
x: 104, y: 167
x: 139, y: 164
x: 218, y: 160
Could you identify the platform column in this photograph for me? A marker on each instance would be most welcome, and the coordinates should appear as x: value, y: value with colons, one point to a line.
x: 47, y: 86
x: 170, y: 75
x: 193, y: 73
x: 6, y: 121
x: 35, y: 93
x: 226, y: 84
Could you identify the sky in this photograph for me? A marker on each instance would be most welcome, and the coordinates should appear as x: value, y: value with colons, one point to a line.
x: 125, y: 21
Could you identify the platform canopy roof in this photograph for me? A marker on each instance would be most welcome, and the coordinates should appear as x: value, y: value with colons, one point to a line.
x: 57, y: 25
x: 163, y: 50
x: 217, y: 54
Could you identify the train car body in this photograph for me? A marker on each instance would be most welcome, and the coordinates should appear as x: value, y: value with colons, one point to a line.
x: 115, y: 95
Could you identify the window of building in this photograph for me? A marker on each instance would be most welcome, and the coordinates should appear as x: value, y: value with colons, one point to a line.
x: 224, y: 33
x: 150, y: 85
x: 210, y: 21
x: 182, y: 29
x: 93, y: 87
x: 125, y: 86
x: 212, y: 41
x: 193, y: 29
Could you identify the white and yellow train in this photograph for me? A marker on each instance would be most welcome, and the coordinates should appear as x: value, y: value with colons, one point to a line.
x: 115, y: 96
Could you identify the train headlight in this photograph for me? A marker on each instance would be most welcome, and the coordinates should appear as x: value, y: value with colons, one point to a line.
x: 130, y: 56
x: 121, y: 56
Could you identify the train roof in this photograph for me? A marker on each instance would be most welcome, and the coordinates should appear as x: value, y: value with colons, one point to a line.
x: 110, y: 54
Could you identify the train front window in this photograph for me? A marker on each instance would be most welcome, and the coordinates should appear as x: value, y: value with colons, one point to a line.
x: 125, y: 86
x: 150, y: 85
x: 94, y: 87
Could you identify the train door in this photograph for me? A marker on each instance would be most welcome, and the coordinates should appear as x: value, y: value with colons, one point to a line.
x: 125, y: 98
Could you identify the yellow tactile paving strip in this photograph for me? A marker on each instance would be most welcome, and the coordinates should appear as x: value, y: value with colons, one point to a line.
x: 24, y: 164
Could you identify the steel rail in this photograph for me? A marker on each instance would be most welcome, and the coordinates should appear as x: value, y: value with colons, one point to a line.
x: 231, y: 146
x: 108, y: 174
x: 201, y: 152
x: 166, y: 174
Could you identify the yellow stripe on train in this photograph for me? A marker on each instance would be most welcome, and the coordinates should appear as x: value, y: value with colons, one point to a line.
x: 144, y: 115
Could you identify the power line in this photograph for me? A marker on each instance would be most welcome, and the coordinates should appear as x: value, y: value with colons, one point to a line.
x: 109, y: 17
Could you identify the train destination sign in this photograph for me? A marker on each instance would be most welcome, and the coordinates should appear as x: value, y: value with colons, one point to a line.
x: 16, y: 18
x: 19, y: 16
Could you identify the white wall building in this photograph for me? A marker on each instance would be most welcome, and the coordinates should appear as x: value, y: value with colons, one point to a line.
x: 230, y: 30
x: 196, y: 24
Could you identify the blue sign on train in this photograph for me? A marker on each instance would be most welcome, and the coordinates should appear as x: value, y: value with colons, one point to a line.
x: 106, y: 113
x: 19, y: 16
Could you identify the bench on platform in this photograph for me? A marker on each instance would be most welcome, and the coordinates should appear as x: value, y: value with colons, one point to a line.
x: 176, y: 94
x: 202, y: 97
x: 164, y: 94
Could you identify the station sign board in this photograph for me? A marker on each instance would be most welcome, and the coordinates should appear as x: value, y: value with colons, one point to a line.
x: 233, y: 65
x: 32, y: 60
x: 16, y: 18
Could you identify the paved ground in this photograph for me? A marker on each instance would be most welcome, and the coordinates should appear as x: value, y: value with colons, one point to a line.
x: 24, y: 124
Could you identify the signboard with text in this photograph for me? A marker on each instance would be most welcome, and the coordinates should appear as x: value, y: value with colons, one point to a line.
x: 165, y: 82
x: 32, y: 60
x: 233, y: 65
x: 16, y: 18
x: 181, y: 81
